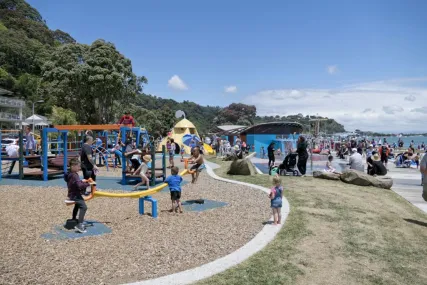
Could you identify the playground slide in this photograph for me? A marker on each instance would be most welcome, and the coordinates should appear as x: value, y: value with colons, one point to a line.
x: 138, y: 194
x: 208, y: 148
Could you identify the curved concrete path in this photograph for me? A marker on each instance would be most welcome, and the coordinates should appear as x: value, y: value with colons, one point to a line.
x: 266, y: 235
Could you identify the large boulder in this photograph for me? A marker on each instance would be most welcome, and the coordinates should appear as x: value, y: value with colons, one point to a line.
x: 241, y: 167
x: 326, y: 175
x: 362, y: 179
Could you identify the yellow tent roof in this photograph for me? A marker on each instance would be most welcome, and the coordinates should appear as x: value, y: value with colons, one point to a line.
x: 184, y: 123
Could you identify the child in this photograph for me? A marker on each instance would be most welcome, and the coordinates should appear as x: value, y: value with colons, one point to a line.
x: 198, y: 161
x: 76, y: 188
x: 142, y: 170
x: 329, y: 167
x: 276, y: 195
x: 182, y: 151
x: 171, y: 153
x: 30, y: 144
x: 174, y: 183
x: 262, y: 152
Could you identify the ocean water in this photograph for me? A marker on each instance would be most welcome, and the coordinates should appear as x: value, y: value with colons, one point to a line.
x: 406, y: 140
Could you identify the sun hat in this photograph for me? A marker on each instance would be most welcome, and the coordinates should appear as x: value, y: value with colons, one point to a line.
x: 376, y: 157
x: 353, y: 150
x: 147, y: 158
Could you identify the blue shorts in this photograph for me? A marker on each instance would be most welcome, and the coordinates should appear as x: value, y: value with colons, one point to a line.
x: 276, y: 204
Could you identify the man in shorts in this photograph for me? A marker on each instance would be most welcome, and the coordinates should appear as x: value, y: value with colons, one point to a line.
x: 88, y: 166
x: 384, y: 152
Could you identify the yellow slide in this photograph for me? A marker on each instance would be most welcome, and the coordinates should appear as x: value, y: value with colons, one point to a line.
x: 138, y: 194
x: 208, y: 148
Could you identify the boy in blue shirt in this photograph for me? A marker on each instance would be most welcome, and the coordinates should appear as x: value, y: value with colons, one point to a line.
x: 174, y: 183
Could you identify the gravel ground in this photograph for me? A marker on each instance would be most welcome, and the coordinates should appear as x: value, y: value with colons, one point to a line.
x: 139, y: 247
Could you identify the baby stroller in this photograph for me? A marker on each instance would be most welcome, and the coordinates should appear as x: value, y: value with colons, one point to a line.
x: 288, y: 165
x: 401, y: 162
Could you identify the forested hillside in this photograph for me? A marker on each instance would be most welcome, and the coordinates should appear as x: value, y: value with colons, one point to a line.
x: 94, y: 84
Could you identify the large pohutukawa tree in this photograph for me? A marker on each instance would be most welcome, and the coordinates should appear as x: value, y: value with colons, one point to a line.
x: 91, y: 80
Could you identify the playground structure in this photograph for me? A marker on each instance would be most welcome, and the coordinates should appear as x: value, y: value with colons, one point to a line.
x: 154, y: 172
x: 11, y: 104
x: 57, y: 152
x: 8, y: 163
x: 143, y: 196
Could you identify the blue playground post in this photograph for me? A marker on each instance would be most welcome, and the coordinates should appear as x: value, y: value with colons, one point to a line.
x: 153, y: 206
x: 65, y: 139
x: 63, y: 136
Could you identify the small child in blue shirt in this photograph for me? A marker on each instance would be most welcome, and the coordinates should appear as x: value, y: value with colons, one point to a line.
x: 174, y: 183
x: 275, y: 196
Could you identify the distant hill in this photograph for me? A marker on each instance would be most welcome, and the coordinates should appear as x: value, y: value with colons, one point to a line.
x: 95, y: 84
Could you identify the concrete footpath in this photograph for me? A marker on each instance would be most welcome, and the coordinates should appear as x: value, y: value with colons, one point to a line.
x: 407, y: 183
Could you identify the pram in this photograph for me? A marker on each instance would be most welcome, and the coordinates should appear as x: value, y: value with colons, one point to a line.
x: 287, y: 167
x: 401, y: 162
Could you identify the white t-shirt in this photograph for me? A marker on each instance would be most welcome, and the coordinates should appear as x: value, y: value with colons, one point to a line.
x: 12, y: 150
x: 356, y: 162
x: 137, y: 155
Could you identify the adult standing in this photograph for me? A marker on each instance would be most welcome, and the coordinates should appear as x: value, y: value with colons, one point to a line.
x: 270, y: 152
x: 87, y: 164
x: 302, y: 155
x: 384, y: 152
x: 423, y: 170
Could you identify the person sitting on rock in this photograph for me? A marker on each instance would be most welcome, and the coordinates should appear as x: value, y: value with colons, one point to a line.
x: 356, y: 161
x: 378, y: 168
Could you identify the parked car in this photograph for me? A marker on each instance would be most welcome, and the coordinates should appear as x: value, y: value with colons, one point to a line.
x: 5, y: 142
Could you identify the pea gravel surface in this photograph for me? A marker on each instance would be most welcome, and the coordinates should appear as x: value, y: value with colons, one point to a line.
x: 138, y: 248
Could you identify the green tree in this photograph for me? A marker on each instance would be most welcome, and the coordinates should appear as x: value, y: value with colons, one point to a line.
x: 61, y: 116
x: 7, y: 81
x: 91, y: 80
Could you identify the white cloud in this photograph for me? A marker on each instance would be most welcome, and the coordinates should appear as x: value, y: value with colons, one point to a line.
x: 375, y: 106
x: 392, y: 109
x: 332, y: 69
x: 420, y: 110
x: 177, y: 83
x: 230, y: 89
x: 411, y: 98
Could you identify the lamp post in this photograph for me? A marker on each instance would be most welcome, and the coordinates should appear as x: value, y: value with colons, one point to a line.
x: 34, y: 103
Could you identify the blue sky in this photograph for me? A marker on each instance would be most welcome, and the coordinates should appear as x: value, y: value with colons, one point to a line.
x: 259, y: 48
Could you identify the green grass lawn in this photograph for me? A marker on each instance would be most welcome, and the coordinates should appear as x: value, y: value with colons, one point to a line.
x: 337, y: 234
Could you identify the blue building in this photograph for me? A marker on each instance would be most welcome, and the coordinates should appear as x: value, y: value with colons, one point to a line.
x: 283, y: 134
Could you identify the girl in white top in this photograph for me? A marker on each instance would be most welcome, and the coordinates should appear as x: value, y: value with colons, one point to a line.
x: 328, y: 167
x: 142, y: 171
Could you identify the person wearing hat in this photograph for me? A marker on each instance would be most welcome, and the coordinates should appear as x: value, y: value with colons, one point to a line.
x: 356, y: 161
x: 377, y: 167
x: 142, y: 171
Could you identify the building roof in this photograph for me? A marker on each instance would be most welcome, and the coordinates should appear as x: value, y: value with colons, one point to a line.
x: 184, y: 123
x: 274, y: 128
x: 230, y: 127
x: 5, y: 92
